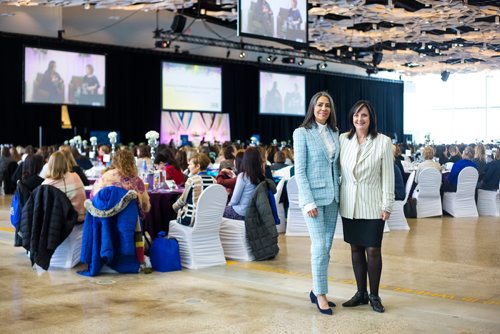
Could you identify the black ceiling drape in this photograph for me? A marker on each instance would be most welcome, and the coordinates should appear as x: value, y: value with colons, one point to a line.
x: 133, y: 96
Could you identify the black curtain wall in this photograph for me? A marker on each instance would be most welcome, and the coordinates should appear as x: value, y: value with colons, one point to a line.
x: 133, y: 96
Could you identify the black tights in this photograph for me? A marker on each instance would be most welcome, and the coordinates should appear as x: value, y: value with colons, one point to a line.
x: 367, y: 260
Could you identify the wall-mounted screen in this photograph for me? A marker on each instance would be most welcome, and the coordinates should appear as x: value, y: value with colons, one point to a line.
x: 283, y: 20
x: 282, y: 94
x: 196, y: 126
x: 61, y: 77
x: 187, y: 87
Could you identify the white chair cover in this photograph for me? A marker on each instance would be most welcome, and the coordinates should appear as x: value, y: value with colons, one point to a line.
x: 487, y: 203
x: 427, y: 193
x: 234, y: 241
x: 283, y: 172
x: 67, y: 255
x: 200, y: 245
x: 296, y: 224
x: 462, y: 202
x: 280, y: 207
x: 448, y: 166
x: 397, y: 219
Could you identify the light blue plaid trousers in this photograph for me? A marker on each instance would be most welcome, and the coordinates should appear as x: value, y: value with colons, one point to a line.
x: 321, y: 230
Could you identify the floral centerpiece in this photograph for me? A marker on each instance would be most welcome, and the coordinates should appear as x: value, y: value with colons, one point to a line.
x: 93, y: 143
x: 152, y: 137
x: 112, y: 139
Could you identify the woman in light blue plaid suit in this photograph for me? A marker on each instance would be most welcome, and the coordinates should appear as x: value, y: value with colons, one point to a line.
x: 316, y: 149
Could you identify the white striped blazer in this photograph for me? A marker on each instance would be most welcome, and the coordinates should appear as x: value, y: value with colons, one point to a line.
x: 372, y: 190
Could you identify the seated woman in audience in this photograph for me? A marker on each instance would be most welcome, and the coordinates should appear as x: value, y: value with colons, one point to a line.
x: 166, y: 160
x: 454, y: 154
x: 399, y: 186
x: 466, y: 161
x: 397, y: 153
x: 73, y: 166
x: 123, y: 174
x: 102, y: 151
x: 279, y: 161
x: 480, y: 157
x: 81, y: 160
x: 428, y: 154
x: 60, y: 176
x: 289, y: 155
x: 5, y: 160
x: 229, y: 154
x: 143, y: 155
x: 198, y: 180
x: 442, y: 154
x: 490, y: 178
x: 227, y: 176
x: 181, y: 157
x: 250, y: 175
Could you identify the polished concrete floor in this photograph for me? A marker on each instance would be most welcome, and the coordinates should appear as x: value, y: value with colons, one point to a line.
x: 443, y: 276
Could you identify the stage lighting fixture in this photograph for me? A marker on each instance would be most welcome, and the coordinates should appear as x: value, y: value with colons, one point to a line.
x: 288, y: 60
x: 377, y: 58
x: 321, y: 66
x: 445, y: 75
x: 163, y: 44
x: 228, y: 53
x: 269, y: 58
x: 301, y: 62
x: 259, y: 59
x: 371, y: 71
x: 242, y: 54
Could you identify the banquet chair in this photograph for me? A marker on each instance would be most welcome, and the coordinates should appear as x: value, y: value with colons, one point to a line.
x: 462, y: 202
x: 487, y: 202
x: 67, y: 254
x: 397, y: 219
x: 280, y: 206
x: 200, y: 245
x: 296, y: 224
x: 234, y: 240
x: 427, y: 193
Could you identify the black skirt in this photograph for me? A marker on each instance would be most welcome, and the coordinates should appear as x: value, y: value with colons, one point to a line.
x: 363, y: 232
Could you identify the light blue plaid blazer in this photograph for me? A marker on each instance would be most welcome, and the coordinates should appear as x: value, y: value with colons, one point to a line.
x: 317, y: 174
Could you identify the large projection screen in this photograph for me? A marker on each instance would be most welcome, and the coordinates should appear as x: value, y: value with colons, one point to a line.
x: 62, y: 77
x: 187, y: 87
x: 281, y: 94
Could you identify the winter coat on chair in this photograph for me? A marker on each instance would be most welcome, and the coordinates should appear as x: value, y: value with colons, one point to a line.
x: 47, y: 219
x: 260, y: 225
x: 109, y: 231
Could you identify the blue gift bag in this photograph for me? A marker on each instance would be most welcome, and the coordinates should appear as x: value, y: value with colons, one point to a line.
x: 164, y: 254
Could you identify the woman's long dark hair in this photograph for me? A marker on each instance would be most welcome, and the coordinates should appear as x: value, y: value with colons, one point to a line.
x: 167, y: 156
x: 372, y: 128
x: 251, y: 165
x: 310, y: 120
x: 32, y: 165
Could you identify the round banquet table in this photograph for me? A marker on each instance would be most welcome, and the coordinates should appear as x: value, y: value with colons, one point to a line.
x: 161, y: 213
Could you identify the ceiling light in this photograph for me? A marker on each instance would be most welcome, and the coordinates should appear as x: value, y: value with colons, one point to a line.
x: 163, y: 44
x: 321, y: 66
x: 259, y: 58
x: 301, y: 62
x: 86, y: 6
x: 242, y: 54
x: 350, y: 49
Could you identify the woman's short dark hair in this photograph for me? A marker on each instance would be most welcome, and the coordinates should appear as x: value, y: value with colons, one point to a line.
x: 228, y: 152
x: 32, y: 165
x: 5, y: 152
x: 372, y: 128
x: 310, y: 120
x: 251, y: 165
x: 168, y: 157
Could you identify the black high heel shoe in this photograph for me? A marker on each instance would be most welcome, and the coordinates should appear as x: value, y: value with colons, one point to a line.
x: 314, y: 300
x: 360, y: 298
x: 376, y: 303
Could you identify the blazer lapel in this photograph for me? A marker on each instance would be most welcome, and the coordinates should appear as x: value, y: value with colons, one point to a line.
x: 366, y: 151
x: 335, y: 138
x: 320, y: 142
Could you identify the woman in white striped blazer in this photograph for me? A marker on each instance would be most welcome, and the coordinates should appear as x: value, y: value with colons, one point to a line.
x: 316, y: 148
x: 366, y: 198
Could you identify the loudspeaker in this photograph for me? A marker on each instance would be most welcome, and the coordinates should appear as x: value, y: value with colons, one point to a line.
x: 377, y: 58
x: 445, y: 75
x: 178, y: 23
